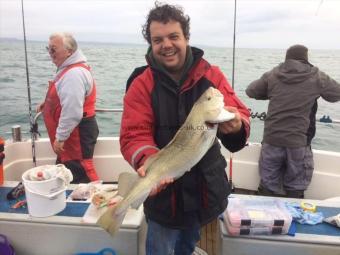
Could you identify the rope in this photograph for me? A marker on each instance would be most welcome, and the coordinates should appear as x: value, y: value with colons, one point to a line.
x: 324, y: 119
x: 262, y: 116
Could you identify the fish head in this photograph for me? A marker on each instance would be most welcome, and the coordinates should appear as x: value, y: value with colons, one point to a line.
x: 211, y: 105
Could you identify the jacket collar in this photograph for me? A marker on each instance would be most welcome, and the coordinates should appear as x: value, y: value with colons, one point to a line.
x: 194, y: 67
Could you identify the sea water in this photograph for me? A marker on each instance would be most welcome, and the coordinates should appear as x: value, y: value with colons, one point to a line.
x: 113, y: 63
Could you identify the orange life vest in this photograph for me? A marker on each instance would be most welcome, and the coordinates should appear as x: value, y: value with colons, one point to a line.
x: 52, y: 110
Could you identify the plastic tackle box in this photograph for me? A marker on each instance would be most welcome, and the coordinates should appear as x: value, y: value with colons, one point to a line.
x: 257, y: 216
x: 246, y: 230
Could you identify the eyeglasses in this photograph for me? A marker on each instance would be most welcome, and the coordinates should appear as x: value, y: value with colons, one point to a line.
x: 51, y: 50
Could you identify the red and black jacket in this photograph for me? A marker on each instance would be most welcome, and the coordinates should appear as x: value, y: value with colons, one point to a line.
x: 154, y: 108
x: 80, y: 143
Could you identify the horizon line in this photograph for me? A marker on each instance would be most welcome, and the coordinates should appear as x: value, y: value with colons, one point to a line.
x: 146, y: 45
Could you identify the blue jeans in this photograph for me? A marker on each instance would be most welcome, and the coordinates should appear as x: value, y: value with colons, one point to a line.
x: 161, y: 240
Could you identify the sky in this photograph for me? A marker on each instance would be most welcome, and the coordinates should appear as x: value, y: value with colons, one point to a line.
x: 259, y: 23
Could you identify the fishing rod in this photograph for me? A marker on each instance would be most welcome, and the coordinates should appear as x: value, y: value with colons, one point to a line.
x: 232, y: 85
x: 317, y: 10
x: 28, y: 87
x: 234, y: 42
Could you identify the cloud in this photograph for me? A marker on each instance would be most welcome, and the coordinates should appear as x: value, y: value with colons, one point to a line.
x: 260, y: 23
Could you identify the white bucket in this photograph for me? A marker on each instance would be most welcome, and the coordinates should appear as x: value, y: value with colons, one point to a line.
x: 44, y: 198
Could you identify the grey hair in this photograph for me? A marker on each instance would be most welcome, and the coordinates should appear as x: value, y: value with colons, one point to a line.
x: 68, y: 40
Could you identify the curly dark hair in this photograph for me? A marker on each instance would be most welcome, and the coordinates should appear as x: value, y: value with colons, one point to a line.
x: 164, y: 13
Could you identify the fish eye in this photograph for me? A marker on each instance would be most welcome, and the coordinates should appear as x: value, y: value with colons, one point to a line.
x: 209, y: 98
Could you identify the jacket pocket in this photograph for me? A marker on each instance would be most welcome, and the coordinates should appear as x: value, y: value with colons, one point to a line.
x: 163, y: 203
x: 215, y: 183
x: 308, y: 163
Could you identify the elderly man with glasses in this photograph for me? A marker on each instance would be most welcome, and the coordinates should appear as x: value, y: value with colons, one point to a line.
x: 69, y: 108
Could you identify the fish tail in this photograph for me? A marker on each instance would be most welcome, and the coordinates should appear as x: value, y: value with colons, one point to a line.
x: 112, y: 219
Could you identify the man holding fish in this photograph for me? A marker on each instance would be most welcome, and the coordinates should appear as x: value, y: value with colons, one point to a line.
x: 181, y: 170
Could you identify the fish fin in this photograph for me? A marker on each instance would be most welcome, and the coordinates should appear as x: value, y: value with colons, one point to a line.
x: 223, y: 116
x: 116, y: 223
x: 125, y: 182
x: 111, y: 220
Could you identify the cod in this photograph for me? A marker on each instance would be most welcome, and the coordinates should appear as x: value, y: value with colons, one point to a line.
x: 191, y: 142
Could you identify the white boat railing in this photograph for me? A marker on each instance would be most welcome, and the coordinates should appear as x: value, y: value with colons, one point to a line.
x: 16, y: 129
x: 16, y: 136
x: 36, y: 117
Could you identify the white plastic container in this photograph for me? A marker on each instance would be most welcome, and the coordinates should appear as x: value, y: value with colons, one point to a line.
x: 44, y: 198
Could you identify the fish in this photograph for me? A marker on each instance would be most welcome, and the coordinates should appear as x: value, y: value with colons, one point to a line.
x: 191, y: 142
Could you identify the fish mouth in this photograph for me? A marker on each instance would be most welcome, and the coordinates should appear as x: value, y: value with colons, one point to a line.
x: 210, y: 125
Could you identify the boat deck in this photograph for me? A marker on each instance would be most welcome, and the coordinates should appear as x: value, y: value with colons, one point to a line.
x: 209, y: 237
x: 208, y: 241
